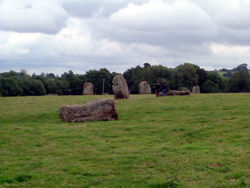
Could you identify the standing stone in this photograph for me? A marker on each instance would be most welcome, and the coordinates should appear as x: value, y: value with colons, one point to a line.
x: 196, y: 89
x: 144, y: 88
x: 120, y: 87
x: 102, y: 109
x: 88, y: 88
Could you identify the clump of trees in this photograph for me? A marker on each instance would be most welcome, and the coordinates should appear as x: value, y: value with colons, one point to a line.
x: 186, y: 75
x: 240, y: 81
x: 18, y: 84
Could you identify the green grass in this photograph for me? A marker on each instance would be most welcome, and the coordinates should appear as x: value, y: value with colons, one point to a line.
x: 181, y: 141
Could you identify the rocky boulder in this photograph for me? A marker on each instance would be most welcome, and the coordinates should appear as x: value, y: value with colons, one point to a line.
x: 196, y: 89
x: 175, y: 92
x: 120, y: 87
x: 102, y: 109
x: 144, y: 88
x: 185, y: 89
x: 88, y: 88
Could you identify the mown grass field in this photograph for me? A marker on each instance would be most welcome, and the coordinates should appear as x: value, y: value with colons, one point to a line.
x: 180, y: 141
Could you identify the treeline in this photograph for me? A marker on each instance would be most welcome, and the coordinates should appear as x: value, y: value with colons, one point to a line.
x: 187, y: 75
x: 21, y: 84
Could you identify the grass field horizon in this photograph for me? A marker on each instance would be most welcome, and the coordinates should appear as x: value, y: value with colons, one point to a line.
x: 178, y: 141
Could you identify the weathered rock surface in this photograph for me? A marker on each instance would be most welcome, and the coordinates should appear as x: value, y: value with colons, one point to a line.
x: 120, y: 87
x: 185, y: 89
x: 102, y: 109
x: 88, y: 88
x: 196, y: 89
x: 175, y: 92
x: 144, y: 88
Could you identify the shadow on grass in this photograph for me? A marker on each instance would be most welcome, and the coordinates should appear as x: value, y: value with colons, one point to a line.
x: 18, y: 178
x: 172, y: 183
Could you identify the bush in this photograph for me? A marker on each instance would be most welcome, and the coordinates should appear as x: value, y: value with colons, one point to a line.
x: 10, y: 87
x: 31, y: 86
x: 240, y: 82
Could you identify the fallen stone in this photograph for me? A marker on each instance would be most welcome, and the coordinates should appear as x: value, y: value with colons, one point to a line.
x: 102, y: 109
x: 185, y: 89
x: 144, y: 88
x: 120, y: 87
x: 88, y: 88
x: 175, y: 92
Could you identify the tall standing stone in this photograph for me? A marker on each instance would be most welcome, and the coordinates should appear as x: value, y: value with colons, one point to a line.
x: 144, y: 88
x: 120, y: 87
x: 88, y: 88
x: 196, y: 89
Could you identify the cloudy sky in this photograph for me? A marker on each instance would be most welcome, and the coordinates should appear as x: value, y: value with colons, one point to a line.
x: 61, y: 35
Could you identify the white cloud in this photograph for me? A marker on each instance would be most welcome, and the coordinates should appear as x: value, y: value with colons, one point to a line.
x: 232, y: 19
x: 157, y: 22
x: 230, y: 49
x: 229, y: 54
x: 23, y: 51
x: 88, y: 8
x: 14, y: 45
x: 32, y: 16
x: 61, y: 35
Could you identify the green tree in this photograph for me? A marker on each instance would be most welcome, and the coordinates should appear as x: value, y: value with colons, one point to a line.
x: 96, y: 78
x: 75, y: 82
x: 146, y: 65
x: 32, y: 86
x: 188, y: 74
x: 62, y: 86
x: 131, y: 76
x: 151, y: 74
x: 239, y: 82
x: 202, y: 76
x: 214, y: 83
x: 10, y: 86
x: 210, y: 87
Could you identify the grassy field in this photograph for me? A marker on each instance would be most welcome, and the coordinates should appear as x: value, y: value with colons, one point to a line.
x: 181, y: 141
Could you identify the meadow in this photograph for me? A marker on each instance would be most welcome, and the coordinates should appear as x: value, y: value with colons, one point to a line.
x: 180, y: 141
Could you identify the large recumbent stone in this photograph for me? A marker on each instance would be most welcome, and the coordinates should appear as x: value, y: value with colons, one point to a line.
x: 176, y: 92
x: 102, y: 109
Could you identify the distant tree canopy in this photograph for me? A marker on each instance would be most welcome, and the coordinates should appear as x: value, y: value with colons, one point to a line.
x: 241, y: 67
x: 186, y: 75
x: 240, y: 82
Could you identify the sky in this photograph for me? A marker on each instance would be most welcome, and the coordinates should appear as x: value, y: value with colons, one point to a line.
x: 80, y: 35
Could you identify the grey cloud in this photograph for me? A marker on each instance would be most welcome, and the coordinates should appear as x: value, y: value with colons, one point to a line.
x: 231, y: 18
x: 92, y: 34
x: 32, y: 16
x: 88, y: 8
x: 234, y: 36
x: 64, y: 65
x: 172, y: 24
